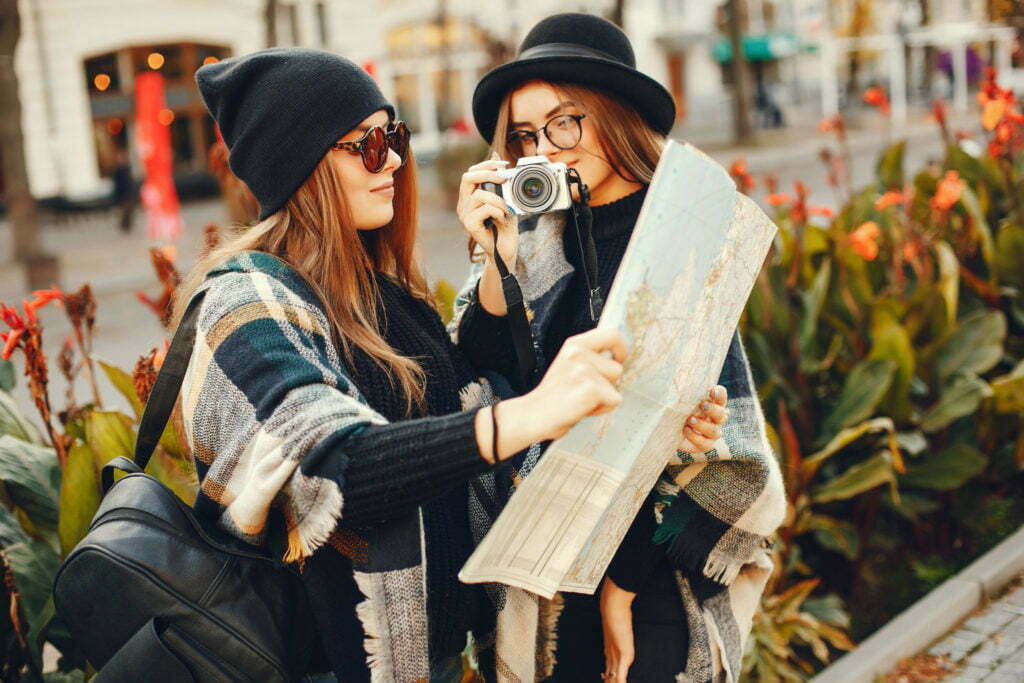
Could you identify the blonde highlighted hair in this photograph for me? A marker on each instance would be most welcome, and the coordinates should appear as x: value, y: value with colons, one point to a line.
x: 312, y: 233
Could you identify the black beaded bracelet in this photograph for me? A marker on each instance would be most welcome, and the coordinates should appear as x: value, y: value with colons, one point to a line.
x: 494, y: 432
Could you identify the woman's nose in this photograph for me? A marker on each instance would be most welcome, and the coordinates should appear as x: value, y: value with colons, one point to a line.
x: 393, y: 162
x: 544, y: 146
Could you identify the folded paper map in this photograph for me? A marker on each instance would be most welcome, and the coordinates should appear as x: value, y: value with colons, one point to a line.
x: 695, y: 252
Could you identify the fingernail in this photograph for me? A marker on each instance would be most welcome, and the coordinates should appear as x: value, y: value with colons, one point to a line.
x: 693, y: 420
x: 704, y: 406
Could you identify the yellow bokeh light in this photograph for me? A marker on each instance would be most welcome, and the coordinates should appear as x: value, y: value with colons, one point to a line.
x: 210, y: 60
x: 165, y: 117
x: 102, y: 82
x: 155, y: 60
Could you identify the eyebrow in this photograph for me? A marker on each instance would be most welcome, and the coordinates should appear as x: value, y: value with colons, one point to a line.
x: 560, y: 107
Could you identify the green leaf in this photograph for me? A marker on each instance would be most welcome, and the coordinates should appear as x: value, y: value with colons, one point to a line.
x: 912, y: 442
x: 7, y: 380
x: 891, y: 341
x: 176, y: 472
x: 122, y: 381
x: 974, y: 347
x: 947, y: 470
x: 32, y: 478
x: 813, y: 299
x: 10, y: 530
x: 1008, y: 394
x: 109, y: 434
x: 960, y: 398
x: 970, y: 202
x: 14, y: 423
x: 444, y: 299
x: 828, y: 609
x: 79, y: 497
x: 911, y: 506
x: 890, y: 167
x: 865, y: 386
x: 835, y: 534
x: 844, y: 439
x: 864, y: 476
x: 949, y: 278
x: 34, y: 565
x: 1010, y: 255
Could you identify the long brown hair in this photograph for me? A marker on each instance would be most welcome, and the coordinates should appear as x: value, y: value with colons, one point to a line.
x: 628, y: 143
x: 312, y: 234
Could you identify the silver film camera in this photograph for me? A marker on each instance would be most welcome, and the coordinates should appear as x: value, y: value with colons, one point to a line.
x: 535, y: 185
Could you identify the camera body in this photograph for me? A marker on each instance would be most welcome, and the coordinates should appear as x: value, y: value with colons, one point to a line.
x: 534, y: 186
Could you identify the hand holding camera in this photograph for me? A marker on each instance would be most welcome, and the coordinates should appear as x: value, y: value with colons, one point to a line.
x: 476, y: 205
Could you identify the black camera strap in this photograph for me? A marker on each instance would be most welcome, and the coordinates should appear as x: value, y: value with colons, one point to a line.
x: 515, y: 303
x: 583, y: 220
x: 518, y: 322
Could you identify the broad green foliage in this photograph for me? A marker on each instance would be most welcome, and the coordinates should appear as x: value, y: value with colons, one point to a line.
x: 887, y: 347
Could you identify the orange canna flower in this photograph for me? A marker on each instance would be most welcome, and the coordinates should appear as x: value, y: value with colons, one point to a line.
x: 949, y: 191
x: 779, y: 199
x: 739, y: 173
x: 10, y: 340
x: 992, y: 113
x: 821, y: 211
x: 863, y: 240
x: 876, y: 97
x: 911, y: 250
x: 890, y: 198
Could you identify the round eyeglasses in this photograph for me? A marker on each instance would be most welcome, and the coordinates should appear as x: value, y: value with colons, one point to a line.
x: 562, y: 131
x: 374, y: 145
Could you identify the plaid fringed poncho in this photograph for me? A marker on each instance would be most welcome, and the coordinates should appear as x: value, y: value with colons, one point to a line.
x: 283, y: 436
x: 715, y: 513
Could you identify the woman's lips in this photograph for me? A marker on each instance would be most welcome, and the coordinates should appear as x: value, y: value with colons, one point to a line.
x: 386, y: 190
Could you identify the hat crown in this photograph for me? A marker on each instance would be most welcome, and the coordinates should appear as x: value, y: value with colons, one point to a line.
x: 586, y: 30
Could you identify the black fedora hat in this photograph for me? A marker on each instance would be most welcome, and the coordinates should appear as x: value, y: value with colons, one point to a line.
x: 575, y: 48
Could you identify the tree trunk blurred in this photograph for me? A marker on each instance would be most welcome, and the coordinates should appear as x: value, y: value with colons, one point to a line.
x: 270, y: 22
x: 743, y: 131
x: 21, y: 206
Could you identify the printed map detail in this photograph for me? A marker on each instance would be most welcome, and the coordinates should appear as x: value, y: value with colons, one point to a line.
x: 695, y: 252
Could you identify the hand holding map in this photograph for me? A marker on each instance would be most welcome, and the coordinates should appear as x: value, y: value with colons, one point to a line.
x: 695, y: 252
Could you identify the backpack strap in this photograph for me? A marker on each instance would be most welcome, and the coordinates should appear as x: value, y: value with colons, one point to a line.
x: 168, y: 385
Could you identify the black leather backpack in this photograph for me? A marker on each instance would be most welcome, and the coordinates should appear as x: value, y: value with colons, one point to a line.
x: 153, y: 592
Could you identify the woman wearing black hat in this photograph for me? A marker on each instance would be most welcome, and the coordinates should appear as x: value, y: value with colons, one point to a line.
x: 328, y: 412
x: 574, y: 95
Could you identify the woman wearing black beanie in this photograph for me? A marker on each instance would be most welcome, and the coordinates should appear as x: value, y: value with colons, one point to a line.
x: 328, y: 412
x: 677, y: 600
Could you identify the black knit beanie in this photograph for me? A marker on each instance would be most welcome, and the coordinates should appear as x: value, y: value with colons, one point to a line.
x: 280, y: 110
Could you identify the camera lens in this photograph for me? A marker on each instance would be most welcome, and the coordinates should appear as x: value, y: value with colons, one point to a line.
x: 534, y: 189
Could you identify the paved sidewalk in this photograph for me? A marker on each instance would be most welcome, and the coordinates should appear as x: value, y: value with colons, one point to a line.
x: 988, y: 646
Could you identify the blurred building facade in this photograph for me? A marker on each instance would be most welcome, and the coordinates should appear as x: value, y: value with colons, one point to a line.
x: 77, y: 60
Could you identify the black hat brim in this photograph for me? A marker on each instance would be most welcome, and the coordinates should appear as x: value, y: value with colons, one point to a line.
x: 636, y: 89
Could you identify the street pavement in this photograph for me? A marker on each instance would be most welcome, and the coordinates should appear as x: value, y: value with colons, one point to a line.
x: 92, y: 249
x: 989, y: 646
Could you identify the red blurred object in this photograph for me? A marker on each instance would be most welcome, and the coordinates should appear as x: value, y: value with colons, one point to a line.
x: 158, y: 195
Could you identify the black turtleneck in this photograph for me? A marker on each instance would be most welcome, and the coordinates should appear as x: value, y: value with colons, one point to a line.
x: 612, y: 227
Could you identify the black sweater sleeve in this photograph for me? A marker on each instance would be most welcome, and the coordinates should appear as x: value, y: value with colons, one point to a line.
x: 386, y: 471
x: 638, y: 554
x: 486, y: 341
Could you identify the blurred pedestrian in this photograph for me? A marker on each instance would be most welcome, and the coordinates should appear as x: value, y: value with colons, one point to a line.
x: 126, y: 193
